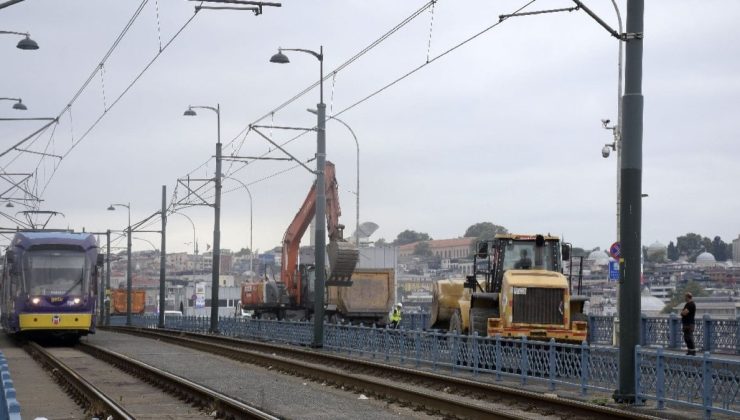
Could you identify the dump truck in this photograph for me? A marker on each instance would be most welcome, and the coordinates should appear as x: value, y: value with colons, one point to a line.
x: 292, y: 297
x: 118, y: 301
x: 517, y: 290
x: 368, y: 300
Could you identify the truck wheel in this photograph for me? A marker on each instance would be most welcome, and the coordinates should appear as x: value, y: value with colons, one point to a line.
x: 456, y: 322
x: 479, y: 319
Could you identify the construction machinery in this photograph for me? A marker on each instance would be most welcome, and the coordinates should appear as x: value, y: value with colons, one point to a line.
x: 517, y: 290
x: 292, y: 297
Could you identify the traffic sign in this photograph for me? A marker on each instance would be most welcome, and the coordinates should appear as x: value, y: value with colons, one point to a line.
x: 615, y: 250
x: 613, y: 270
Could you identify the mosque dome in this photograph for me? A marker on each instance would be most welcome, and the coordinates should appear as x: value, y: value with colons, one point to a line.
x: 651, y: 304
x: 705, y: 258
x: 656, y: 248
x: 599, y: 257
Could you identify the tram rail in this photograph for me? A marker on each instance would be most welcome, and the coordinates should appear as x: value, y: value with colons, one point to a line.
x: 434, y: 393
x: 91, y: 396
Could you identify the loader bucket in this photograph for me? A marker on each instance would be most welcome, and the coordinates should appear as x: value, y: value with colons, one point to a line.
x: 343, y: 258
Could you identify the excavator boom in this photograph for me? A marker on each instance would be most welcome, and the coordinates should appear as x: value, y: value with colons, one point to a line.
x: 343, y: 256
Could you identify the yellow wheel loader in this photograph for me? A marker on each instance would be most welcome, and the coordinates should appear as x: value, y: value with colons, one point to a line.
x: 517, y: 290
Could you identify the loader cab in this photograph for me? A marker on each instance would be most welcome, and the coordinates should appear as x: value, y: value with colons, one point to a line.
x: 515, y: 252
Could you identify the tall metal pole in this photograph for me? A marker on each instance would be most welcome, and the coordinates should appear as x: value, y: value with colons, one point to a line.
x: 163, y: 258
x: 216, y: 229
x: 618, y: 129
x: 318, y: 319
x: 107, y: 277
x: 631, y: 205
x: 101, y: 292
x: 128, y: 268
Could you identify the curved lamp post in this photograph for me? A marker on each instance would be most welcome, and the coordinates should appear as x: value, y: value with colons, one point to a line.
x: 195, y: 241
x: 24, y: 44
x: 320, y: 224
x: 217, y: 215
x: 19, y: 105
x: 128, y: 258
x: 251, y: 250
x: 357, y: 190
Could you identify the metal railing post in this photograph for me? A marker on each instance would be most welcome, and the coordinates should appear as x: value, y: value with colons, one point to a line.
x: 584, y: 367
x: 707, y: 321
x: 524, y: 362
x: 551, y: 355
x: 498, y: 357
x: 660, y: 379
x: 706, y: 389
x: 674, y: 332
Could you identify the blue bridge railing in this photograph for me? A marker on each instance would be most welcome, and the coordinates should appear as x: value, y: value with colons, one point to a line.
x: 707, y: 382
x: 9, y: 407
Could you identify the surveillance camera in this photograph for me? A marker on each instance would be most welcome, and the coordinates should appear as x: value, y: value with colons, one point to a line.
x: 606, y: 121
x: 606, y: 151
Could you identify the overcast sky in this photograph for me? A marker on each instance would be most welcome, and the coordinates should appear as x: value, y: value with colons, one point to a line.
x: 506, y: 128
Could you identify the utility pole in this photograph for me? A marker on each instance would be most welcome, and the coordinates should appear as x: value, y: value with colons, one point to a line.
x: 107, y: 278
x: 163, y: 258
x: 216, y: 230
x: 631, y: 204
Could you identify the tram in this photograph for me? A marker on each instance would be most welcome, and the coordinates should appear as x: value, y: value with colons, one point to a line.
x: 49, y: 284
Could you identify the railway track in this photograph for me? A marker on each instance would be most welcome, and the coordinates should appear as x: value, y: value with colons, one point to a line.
x: 436, y: 394
x: 94, y: 377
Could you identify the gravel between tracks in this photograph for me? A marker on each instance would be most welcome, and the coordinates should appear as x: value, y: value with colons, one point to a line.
x: 283, y: 395
x: 36, y: 391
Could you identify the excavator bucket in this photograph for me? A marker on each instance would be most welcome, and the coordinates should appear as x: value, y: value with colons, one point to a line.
x: 343, y: 258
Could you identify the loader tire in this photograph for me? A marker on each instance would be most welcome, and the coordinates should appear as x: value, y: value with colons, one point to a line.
x: 479, y: 320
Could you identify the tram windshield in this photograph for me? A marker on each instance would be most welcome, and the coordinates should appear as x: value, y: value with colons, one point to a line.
x: 56, y: 272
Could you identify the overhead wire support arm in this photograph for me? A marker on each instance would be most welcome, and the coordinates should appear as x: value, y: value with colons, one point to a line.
x: 255, y: 128
x: 13, y: 147
x: 194, y: 192
x: 257, y: 9
x: 538, y: 12
x: 614, y: 33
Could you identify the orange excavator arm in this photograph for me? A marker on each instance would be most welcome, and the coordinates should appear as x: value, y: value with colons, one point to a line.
x: 301, y: 221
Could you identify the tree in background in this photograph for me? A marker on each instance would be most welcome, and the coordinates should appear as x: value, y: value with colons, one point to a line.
x: 719, y: 249
x: 423, y: 249
x: 410, y: 236
x: 691, y: 245
x: 381, y: 242
x: 695, y: 288
x: 243, y: 251
x: 672, y: 252
x: 482, y: 231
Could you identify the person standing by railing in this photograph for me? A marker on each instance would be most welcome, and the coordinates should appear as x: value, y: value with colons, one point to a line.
x: 687, y: 320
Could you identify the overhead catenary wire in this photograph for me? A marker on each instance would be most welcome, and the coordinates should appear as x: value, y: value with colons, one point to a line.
x: 384, y: 87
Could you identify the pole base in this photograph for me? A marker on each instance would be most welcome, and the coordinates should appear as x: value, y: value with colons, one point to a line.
x: 620, y: 398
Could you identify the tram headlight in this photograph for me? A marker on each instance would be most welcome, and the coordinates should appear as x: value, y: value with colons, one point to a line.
x: 36, y: 300
x: 77, y: 301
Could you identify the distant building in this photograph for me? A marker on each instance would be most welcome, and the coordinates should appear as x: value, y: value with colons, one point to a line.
x: 442, y: 248
x: 736, y: 250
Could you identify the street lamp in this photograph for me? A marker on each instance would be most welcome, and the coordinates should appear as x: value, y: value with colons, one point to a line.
x: 195, y: 241
x: 357, y: 192
x: 24, y: 44
x: 251, y: 250
x: 217, y: 215
x: 318, y: 320
x: 128, y: 258
x: 19, y: 105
